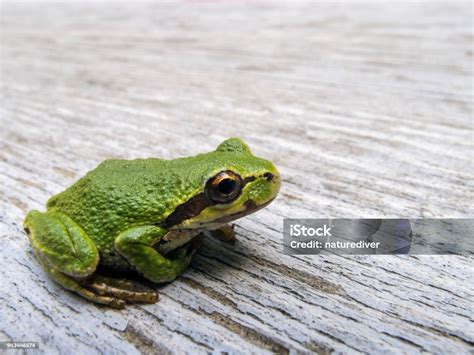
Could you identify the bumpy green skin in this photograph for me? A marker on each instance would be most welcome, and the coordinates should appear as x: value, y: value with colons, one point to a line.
x: 107, y: 215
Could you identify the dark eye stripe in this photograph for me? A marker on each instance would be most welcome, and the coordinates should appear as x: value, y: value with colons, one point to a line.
x: 187, y: 210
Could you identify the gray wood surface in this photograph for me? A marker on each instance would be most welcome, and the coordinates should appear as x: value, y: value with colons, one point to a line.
x: 365, y: 108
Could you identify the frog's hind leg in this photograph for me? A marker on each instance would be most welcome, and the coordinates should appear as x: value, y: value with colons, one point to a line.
x: 65, y: 252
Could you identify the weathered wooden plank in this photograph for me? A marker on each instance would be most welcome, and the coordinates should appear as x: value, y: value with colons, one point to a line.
x: 365, y: 108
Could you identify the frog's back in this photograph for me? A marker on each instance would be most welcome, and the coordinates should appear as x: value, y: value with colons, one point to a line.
x: 117, y: 195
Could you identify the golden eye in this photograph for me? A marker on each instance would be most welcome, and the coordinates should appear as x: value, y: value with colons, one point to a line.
x: 225, y: 187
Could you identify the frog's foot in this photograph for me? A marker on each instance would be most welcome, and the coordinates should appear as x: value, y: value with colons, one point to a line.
x: 120, y: 289
x: 225, y: 234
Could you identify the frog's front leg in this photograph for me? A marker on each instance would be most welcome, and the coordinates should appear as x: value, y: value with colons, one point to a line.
x: 137, y: 246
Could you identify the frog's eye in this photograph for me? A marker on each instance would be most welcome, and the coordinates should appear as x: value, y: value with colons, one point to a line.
x: 225, y: 187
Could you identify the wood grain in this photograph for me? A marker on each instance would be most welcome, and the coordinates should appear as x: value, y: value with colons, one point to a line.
x: 366, y: 109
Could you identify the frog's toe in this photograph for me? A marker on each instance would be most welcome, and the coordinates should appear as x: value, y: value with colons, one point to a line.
x: 121, y: 289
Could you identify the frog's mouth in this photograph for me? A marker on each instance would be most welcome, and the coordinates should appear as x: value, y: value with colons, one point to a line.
x: 249, y: 207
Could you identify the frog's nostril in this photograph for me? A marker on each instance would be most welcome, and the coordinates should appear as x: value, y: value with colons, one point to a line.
x: 268, y: 176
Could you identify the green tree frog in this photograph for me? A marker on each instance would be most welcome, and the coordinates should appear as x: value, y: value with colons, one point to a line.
x: 147, y: 216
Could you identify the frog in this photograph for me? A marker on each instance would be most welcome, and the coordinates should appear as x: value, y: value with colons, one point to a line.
x: 147, y: 217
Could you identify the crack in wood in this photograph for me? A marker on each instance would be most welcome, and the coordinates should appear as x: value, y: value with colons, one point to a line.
x: 311, y: 280
x: 250, y: 334
x: 144, y: 344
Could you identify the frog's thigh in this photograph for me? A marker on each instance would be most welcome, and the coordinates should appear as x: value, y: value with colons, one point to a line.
x: 61, y: 243
x: 136, y: 245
